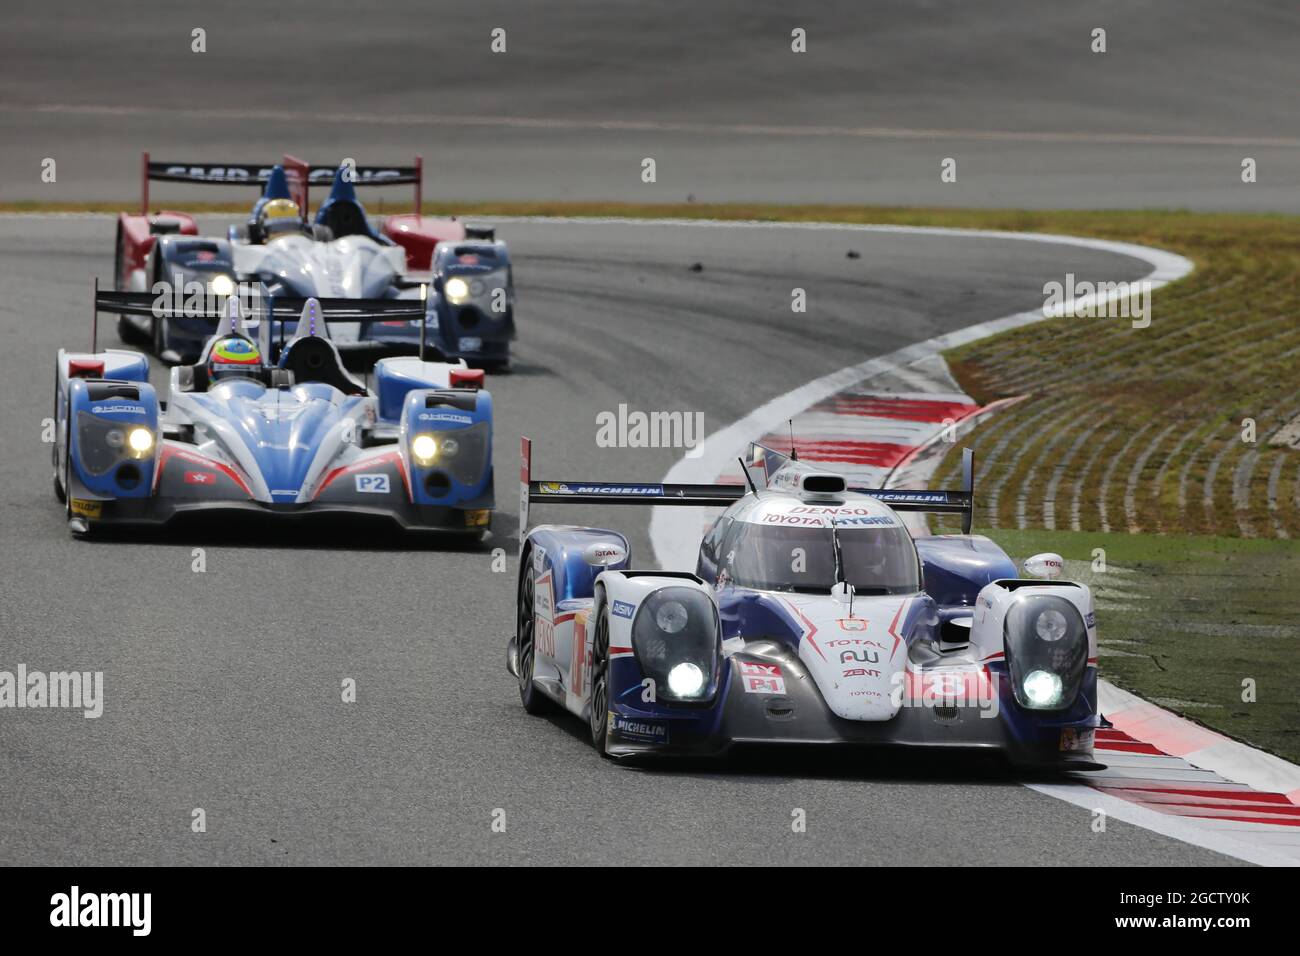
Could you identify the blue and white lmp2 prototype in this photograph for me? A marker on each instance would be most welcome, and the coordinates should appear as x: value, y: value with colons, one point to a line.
x: 813, y: 617
x: 460, y: 270
x: 298, y: 438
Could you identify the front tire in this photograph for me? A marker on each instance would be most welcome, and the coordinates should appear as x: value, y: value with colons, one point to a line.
x: 599, y: 702
x: 534, y: 701
x: 59, y: 493
x: 159, y: 336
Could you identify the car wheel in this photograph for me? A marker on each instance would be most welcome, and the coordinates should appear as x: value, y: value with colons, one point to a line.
x: 160, y: 335
x: 128, y: 333
x: 599, y: 700
x: 534, y: 701
x: 59, y: 492
x: 67, y: 467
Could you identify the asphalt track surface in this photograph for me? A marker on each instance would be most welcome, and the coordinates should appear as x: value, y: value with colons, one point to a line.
x: 222, y: 688
x: 586, y: 90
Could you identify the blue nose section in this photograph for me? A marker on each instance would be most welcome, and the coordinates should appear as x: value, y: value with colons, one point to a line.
x: 284, y: 432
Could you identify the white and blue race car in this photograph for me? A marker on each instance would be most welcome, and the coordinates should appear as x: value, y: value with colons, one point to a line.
x: 297, y: 438
x: 460, y: 270
x: 813, y: 617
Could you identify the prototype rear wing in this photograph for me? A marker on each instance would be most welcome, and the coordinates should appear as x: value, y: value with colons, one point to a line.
x: 961, y: 501
x: 958, y: 502
x: 271, y: 308
x: 300, y: 174
x: 613, y: 492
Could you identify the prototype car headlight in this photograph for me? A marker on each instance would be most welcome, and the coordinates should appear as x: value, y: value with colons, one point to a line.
x: 1042, y: 688
x: 424, y: 448
x: 456, y: 290
x: 675, y: 638
x: 139, y: 442
x: 1047, y: 650
x: 221, y: 285
x: 686, y: 680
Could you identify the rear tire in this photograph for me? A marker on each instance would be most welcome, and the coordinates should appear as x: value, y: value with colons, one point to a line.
x: 599, y: 702
x: 535, y: 702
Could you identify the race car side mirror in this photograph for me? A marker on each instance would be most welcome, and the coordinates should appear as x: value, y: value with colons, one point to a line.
x: 1046, y: 565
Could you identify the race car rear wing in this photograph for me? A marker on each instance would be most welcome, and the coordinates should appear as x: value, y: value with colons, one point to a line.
x: 271, y: 308
x: 300, y: 174
x: 960, y: 501
x: 613, y: 492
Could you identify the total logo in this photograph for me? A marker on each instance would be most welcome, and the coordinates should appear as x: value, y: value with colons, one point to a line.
x: 602, y: 554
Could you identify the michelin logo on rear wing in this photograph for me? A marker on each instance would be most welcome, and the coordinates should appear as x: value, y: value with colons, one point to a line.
x: 562, y: 488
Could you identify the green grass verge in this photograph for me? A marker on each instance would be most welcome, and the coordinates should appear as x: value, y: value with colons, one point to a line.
x: 1144, y: 427
x: 1185, y: 620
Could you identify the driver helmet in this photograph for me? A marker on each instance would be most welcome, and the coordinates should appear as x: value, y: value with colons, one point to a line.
x: 233, y: 357
x: 277, y: 217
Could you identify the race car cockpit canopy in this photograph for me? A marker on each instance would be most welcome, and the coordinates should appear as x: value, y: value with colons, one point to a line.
x: 311, y: 357
x: 342, y: 213
x: 787, y: 544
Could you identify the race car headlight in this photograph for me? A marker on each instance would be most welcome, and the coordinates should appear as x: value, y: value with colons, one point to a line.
x: 1047, y: 650
x: 675, y: 639
x: 424, y: 449
x: 686, y: 680
x: 139, y: 442
x: 1042, y: 688
x: 456, y: 290
x: 221, y: 285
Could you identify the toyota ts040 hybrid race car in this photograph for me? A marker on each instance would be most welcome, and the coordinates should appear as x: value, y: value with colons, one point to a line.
x: 813, y: 617
x: 295, y: 438
x: 340, y: 253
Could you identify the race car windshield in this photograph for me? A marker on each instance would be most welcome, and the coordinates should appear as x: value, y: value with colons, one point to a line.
x: 877, y: 560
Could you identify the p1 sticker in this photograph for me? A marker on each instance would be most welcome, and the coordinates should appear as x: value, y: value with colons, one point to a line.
x: 760, y: 678
x: 375, y: 484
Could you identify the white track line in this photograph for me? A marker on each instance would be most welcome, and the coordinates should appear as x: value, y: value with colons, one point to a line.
x: 1081, y: 795
x: 610, y: 125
